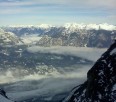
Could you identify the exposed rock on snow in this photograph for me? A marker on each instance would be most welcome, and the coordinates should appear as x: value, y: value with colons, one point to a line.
x: 3, y: 97
x: 70, y: 34
x: 9, y: 38
x: 101, y: 81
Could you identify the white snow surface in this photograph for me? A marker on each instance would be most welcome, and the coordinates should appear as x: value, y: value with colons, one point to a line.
x: 3, y: 99
x: 71, y: 26
x: 114, y: 88
x: 88, y: 53
x: 113, y: 51
x: 1, y: 30
x: 43, y: 26
x: 8, y: 33
x: 75, y: 26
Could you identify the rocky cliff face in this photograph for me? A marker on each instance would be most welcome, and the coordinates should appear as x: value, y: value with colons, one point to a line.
x: 101, y: 81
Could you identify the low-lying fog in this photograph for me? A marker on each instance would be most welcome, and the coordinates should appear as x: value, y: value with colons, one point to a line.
x: 49, y: 85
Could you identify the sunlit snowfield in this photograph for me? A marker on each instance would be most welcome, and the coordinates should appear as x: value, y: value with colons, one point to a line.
x: 52, y: 86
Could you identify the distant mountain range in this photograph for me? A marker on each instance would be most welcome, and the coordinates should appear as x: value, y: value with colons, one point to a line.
x: 66, y: 28
x: 70, y: 34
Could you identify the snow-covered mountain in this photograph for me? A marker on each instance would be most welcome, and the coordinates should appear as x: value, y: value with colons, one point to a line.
x: 101, y: 81
x: 76, y: 26
x: 20, y: 30
x: 9, y: 38
x: 67, y: 28
x: 43, y: 26
x: 70, y: 34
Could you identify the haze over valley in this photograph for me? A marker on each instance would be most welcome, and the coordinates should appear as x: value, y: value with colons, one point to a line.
x: 57, y: 50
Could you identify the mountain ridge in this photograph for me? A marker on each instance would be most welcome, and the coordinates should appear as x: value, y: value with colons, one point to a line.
x: 104, y: 26
x: 101, y: 81
x: 71, y: 34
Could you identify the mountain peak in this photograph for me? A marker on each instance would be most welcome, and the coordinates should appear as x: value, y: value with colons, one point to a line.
x: 103, y: 26
x: 45, y: 26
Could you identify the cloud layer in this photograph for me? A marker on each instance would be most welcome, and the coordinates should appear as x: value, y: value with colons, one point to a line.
x: 58, y: 10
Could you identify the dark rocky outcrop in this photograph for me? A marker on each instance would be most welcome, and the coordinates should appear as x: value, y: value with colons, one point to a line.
x: 3, y: 93
x: 101, y: 81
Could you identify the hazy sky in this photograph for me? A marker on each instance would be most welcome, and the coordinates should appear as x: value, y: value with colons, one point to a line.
x: 58, y: 12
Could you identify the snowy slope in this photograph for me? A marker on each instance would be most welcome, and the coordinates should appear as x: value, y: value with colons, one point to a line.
x: 44, y: 26
x: 3, y: 99
x: 9, y: 37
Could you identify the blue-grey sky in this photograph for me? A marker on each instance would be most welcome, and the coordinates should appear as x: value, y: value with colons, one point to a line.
x: 57, y: 12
